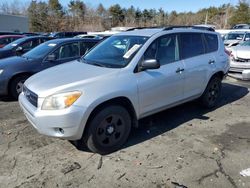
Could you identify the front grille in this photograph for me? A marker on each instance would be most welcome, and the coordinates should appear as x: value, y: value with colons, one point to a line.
x: 30, y: 96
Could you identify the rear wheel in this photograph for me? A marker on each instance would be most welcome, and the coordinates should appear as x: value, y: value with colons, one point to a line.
x: 108, y: 130
x: 212, y: 93
x: 16, y: 85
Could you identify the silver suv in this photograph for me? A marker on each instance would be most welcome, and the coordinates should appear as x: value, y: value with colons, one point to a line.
x: 97, y: 99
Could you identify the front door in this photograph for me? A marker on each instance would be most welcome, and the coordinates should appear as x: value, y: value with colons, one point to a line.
x: 161, y: 87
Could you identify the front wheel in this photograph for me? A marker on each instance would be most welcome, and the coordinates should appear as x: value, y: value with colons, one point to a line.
x: 212, y: 93
x: 16, y: 85
x: 108, y: 130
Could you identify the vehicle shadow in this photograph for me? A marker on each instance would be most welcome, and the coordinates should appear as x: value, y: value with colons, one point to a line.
x: 167, y: 120
x: 7, y: 99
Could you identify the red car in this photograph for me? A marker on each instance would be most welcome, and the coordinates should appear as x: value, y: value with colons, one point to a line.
x: 6, y: 39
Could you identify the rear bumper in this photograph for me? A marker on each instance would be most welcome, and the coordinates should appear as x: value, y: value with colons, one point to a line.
x: 66, y: 124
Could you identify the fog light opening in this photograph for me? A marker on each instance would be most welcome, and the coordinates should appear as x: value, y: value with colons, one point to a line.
x: 59, y: 131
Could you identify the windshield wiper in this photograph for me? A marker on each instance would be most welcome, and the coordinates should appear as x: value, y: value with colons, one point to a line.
x: 93, y: 63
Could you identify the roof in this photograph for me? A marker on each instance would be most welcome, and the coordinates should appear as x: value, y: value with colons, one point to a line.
x: 17, y: 36
x: 62, y: 40
x: 142, y: 32
x: 242, y: 31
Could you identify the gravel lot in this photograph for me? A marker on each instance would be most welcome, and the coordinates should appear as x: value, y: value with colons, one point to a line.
x: 187, y: 145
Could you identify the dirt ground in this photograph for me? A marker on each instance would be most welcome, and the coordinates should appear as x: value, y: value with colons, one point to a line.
x: 186, y: 145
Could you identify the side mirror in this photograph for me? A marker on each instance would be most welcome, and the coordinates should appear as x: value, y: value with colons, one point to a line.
x: 149, y: 64
x: 19, y: 50
x: 51, y: 57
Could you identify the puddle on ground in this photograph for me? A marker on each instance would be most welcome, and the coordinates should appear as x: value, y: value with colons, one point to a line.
x: 236, y: 137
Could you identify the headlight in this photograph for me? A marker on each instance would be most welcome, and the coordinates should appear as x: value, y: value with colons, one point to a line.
x: 1, y: 71
x: 60, y: 101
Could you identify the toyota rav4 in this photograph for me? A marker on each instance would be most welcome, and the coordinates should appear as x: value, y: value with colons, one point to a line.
x: 97, y: 99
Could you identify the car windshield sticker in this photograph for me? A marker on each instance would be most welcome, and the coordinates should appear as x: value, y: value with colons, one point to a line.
x: 52, y: 44
x: 13, y: 44
x: 131, y: 51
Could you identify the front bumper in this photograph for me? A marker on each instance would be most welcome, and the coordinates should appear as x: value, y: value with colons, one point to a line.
x: 240, y: 70
x: 67, y: 124
x: 234, y: 65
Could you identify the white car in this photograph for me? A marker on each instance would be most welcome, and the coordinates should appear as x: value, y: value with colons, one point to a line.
x: 236, y: 37
x: 240, y: 61
x: 128, y: 76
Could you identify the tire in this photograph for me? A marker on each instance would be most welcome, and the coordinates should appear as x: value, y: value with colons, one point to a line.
x: 212, y: 93
x: 16, y: 85
x: 108, y: 130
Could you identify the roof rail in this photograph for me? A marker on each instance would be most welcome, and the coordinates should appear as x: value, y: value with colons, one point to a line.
x: 189, y: 27
x: 136, y: 28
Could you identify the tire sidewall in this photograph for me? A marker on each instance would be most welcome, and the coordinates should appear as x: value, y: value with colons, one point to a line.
x: 91, y: 142
x: 13, y: 85
x: 206, y: 93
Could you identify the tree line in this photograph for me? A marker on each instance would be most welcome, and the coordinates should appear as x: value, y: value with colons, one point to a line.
x: 47, y: 16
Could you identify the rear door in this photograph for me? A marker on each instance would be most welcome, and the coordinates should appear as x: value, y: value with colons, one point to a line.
x: 161, y: 87
x: 197, y: 63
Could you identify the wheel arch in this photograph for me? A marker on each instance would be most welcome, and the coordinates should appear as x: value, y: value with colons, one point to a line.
x: 122, y: 101
x: 16, y: 76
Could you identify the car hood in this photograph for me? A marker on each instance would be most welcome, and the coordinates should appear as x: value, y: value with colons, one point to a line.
x: 12, y: 61
x: 66, y: 77
x: 242, y: 52
x: 227, y: 42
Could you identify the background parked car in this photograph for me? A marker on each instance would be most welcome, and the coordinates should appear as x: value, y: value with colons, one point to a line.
x: 233, y: 38
x: 6, y: 39
x: 21, y: 46
x: 241, y: 26
x: 15, y: 70
x: 66, y: 34
x: 9, y: 33
x: 240, y: 61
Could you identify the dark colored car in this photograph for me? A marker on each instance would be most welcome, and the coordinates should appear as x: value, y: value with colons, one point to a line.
x: 9, y: 33
x: 29, y: 34
x: 6, y: 39
x: 66, y: 34
x: 15, y: 70
x: 21, y: 46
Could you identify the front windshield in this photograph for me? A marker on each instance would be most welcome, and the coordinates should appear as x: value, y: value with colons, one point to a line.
x: 115, y: 52
x: 234, y: 36
x: 14, y: 43
x: 40, y: 51
x: 246, y: 43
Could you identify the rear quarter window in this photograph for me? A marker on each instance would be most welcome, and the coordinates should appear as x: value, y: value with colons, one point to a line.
x: 212, y: 42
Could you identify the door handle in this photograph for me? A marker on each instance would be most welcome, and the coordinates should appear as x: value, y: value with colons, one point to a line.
x: 211, y: 62
x: 179, y: 70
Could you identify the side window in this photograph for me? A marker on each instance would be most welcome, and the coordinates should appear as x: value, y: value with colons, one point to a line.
x: 4, y: 41
x: 212, y: 42
x: 247, y: 36
x: 26, y: 45
x: 191, y: 45
x: 67, y: 51
x: 168, y: 49
x: 84, y: 46
x: 164, y: 49
x: 68, y: 34
x: 35, y: 43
